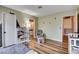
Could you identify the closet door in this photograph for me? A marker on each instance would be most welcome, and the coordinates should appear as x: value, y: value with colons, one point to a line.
x: 0, y: 31
x: 10, y: 31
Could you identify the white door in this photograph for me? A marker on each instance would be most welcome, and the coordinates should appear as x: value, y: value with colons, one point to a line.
x: 10, y: 29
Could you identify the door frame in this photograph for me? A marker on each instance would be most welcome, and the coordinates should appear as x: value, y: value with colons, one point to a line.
x: 34, y: 26
x: 63, y: 26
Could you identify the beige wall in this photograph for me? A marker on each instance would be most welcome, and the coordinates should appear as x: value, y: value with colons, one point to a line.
x: 52, y: 25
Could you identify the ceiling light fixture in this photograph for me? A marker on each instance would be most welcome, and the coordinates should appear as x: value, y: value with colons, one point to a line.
x: 40, y: 7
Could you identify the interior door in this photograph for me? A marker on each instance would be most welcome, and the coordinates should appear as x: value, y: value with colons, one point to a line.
x: 10, y: 29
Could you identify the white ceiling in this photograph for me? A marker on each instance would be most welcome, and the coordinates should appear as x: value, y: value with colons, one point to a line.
x: 45, y: 10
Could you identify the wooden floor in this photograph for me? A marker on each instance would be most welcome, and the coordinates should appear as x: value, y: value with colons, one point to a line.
x: 49, y: 47
x: 65, y: 41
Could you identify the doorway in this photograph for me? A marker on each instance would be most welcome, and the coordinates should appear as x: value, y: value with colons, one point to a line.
x: 32, y: 28
x: 68, y: 27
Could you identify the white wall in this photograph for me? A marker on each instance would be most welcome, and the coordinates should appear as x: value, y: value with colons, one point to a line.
x: 52, y: 25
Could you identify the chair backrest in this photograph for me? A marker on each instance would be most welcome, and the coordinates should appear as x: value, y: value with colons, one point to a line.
x: 39, y: 32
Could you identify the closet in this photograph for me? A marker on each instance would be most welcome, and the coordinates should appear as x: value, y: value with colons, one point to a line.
x: 8, y: 31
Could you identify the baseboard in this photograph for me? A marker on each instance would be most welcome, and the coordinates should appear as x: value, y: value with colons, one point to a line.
x: 54, y: 41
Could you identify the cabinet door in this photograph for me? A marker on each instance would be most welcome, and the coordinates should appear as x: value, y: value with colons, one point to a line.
x: 10, y: 29
x: 68, y: 24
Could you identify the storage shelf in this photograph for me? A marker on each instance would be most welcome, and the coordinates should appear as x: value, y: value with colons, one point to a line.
x: 23, y: 35
x: 73, y: 45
